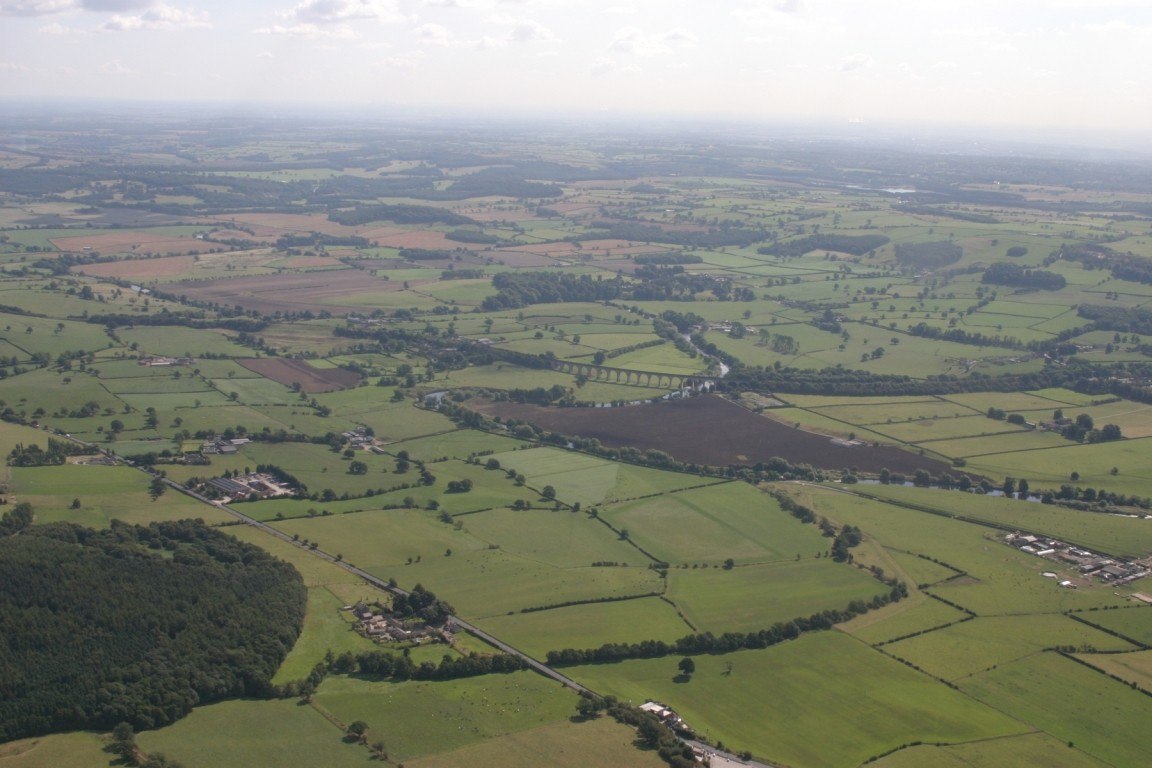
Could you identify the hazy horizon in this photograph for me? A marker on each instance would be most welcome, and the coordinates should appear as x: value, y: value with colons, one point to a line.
x: 1071, y: 68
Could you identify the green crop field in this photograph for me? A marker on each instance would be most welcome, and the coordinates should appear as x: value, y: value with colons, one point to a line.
x: 916, y: 614
x: 753, y: 597
x: 973, y: 646
x: 563, y: 745
x: 589, y: 626
x: 1100, y: 716
x: 79, y: 749
x: 1034, y: 750
x: 416, y: 718
x: 280, y: 733
x: 709, y: 525
x: 876, y: 702
x: 1133, y: 668
x: 1133, y: 621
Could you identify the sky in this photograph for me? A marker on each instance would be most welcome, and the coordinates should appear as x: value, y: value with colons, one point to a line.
x: 1074, y: 64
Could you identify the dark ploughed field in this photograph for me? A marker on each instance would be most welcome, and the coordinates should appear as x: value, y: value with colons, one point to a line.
x: 710, y: 430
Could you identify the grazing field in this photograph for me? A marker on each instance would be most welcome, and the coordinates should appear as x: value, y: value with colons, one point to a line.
x: 79, y: 749
x: 972, y: 647
x: 709, y: 430
x: 709, y: 525
x: 877, y: 703
x: 589, y: 626
x: 563, y: 745
x: 919, y: 614
x: 754, y: 597
x: 1075, y: 704
x: 1033, y: 750
x: 416, y: 718
x: 279, y: 732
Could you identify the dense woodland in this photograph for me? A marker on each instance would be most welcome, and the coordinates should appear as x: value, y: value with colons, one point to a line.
x: 135, y: 624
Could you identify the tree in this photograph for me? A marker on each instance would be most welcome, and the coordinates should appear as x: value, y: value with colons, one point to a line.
x: 687, y: 666
x: 357, y: 468
x: 156, y: 488
x: 548, y: 492
x: 75, y: 504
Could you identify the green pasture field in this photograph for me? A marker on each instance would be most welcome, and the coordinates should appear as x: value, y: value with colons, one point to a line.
x: 507, y: 376
x: 390, y: 421
x: 1134, y: 668
x: 876, y: 703
x: 423, y: 718
x: 44, y: 388
x: 919, y: 570
x: 47, y: 336
x: 1003, y: 580
x: 922, y: 613
x: 576, y: 477
x: 588, y: 626
x: 1102, y: 717
x: 479, y: 577
x: 250, y: 732
x: 927, y: 430
x: 603, y: 392
x: 326, y: 628
x: 79, y: 749
x: 170, y: 402
x: 176, y: 341
x: 1113, y: 534
x: 664, y: 358
x: 1032, y: 750
x: 1134, y: 621
x: 877, y: 413
x: 155, y: 384
x: 456, y: 443
x: 1065, y: 397
x: 1051, y: 467
x: 632, y: 482
x: 257, y: 391
x: 971, y: 647
x: 562, y: 539
x: 709, y: 525
x: 1134, y: 419
x: 106, y: 493
x: 820, y: 403
x: 754, y: 597
x: 313, y: 336
x: 562, y: 745
x: 993, y: 444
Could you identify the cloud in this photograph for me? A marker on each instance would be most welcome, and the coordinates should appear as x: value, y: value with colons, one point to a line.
x: 159, y: 16
x: 434, y: 34
x: 856, y: 62
x: 35, y: 7
x: 528, y: 31
x: 115, y: 69
x: 631, y: 41
x: 309, y: 31
x: 342, y: 11
x: 113, y: 6
x: 11, y: 66
x: 401, y: 62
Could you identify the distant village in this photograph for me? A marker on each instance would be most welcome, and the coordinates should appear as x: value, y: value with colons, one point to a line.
x: 1090, y: 564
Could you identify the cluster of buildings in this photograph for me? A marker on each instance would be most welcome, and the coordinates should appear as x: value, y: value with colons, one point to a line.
x: 383, y: 627
x: 1090, y: 564
x: 154, y: 361
x: 222, y: 445
x: 667, y: 716
x: 258, y: 485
